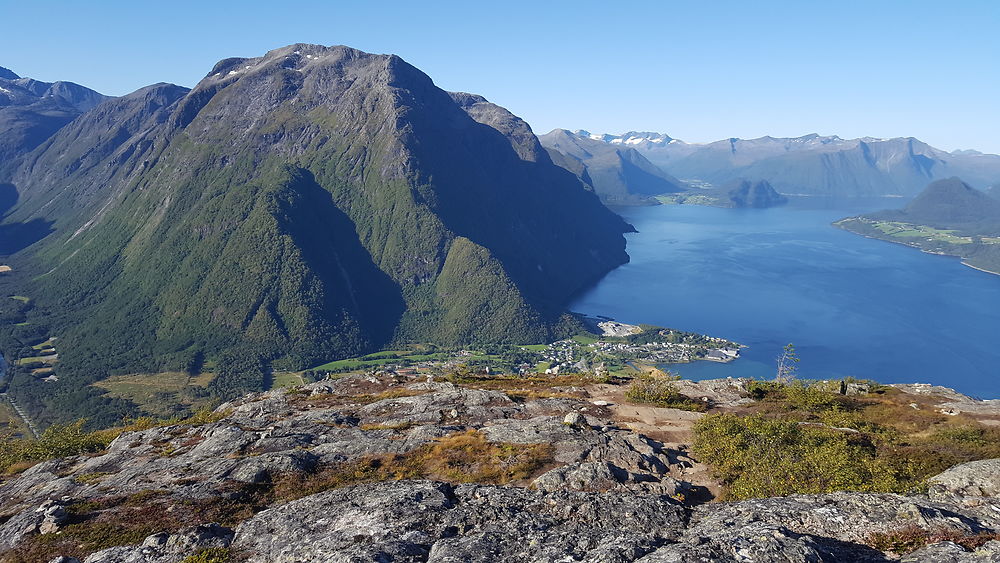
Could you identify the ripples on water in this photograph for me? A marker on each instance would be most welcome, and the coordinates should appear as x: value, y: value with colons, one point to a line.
x: 852, y: 306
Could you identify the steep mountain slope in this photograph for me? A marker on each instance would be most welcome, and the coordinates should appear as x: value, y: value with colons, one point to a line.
x: 619, y: 175
x: 950, y: 204
x: 302, y: 206
x: 814, y: 164
x: 32, y: 111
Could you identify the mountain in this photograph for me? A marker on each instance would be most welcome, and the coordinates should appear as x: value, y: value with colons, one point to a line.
x: 814, y: 164
x: 32, y: 111
x: 948, y: 217
x: 619, y: 174
x: 759, y: 195
x: 951, y: 204
x: 307, y: 205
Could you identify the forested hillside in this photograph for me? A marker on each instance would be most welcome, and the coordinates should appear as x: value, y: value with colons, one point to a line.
x: 310, y: 204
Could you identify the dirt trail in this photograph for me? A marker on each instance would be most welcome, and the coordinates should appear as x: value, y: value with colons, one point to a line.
x: 673, y: 427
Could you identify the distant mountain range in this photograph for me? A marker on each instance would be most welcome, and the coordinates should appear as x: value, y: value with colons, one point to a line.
x: 619, y: 174
x: 812, y: 164
x: 32, y: 111
x: 310, y: 204
x: 947, y: 217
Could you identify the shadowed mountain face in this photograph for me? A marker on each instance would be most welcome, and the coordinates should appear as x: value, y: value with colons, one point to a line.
x: 619, y: 174
x: 310, y: 204
x: 759, y: 195
x: 813, y: 164
x: 951, y: 204
x: 32, y: 111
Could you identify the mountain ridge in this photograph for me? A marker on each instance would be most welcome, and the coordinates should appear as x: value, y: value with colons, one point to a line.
x: 814, y: 164
x: 439, y: 228
x: 619, y: 175
x: 32, y: 111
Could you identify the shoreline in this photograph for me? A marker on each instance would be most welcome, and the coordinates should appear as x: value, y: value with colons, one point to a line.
x: 912, y: 245
x: 964, y: 263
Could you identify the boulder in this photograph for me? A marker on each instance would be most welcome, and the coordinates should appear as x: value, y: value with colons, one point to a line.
x: 972, y: 479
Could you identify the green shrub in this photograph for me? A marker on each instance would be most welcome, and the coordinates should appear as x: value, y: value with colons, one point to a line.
x: 660, y: 391
x: 760, y: 457
x: 210, y: 555
x: 63, y: 440
x: 758, y: 390
x: 58, y: 440
x: 911, y: 538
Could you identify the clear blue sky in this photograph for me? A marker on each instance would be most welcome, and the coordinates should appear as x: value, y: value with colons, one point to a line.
x: 697, y: 70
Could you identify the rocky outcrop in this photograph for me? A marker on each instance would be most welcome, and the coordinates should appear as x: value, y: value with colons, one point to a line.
x: 972, y: 479
x: 604, y: 493
x: 439, y: 522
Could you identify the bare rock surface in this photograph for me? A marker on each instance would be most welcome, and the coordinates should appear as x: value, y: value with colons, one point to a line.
x: 608, y: 492
x: 972, y: 479
x: 951, y: 401
x: 424, y: 521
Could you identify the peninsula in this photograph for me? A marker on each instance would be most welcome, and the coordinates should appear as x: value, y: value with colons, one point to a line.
x: 949, y: 217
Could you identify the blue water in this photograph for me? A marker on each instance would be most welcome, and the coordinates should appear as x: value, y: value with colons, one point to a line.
x: 852, y: 306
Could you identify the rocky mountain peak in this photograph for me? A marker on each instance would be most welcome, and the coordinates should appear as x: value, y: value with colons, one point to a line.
x: 393, y: 203
x: 7, y: 74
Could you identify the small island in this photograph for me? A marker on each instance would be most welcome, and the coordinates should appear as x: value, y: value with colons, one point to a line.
x: 739, y: 194
x: 949, y: 217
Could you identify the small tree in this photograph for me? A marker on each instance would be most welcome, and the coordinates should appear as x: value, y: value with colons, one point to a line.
x: 786, y: 364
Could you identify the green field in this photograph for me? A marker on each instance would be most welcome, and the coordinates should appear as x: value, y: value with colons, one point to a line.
x: 50, y: 343
x: 389, y: 357
x: 909, y: 230
x: 50, y: 359
x: 155, y: 392
x: 354, y: 363
x: 286, y: 379
x: 437, y: 356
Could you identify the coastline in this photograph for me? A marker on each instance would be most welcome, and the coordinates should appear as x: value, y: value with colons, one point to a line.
x: 913, y: 245
x: 964, y: 263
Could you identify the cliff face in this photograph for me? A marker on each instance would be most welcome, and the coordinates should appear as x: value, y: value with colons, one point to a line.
x: 387, y: 468
x: 309, y: 204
